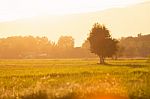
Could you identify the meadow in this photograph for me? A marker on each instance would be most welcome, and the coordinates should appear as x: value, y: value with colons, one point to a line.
x: 74, y: 79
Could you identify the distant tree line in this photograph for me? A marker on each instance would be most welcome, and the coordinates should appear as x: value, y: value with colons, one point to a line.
x: 134, y: 46
x: 41, y: 47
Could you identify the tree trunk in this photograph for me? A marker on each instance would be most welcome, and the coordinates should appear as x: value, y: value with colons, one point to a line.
x: 102, y: 60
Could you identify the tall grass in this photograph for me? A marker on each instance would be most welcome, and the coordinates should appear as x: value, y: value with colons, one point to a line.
x: 74, y: 79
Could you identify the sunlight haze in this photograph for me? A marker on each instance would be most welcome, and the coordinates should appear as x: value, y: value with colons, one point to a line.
x: 17, y: 9
x: 74, y: 49
x: 53, y: 18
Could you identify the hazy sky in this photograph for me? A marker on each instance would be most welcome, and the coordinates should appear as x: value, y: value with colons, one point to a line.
x: 19, y: 9
x: 16, y: 9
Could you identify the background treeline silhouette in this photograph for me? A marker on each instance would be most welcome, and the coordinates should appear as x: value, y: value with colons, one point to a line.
x: 135, y: 46
x: 41, y: 47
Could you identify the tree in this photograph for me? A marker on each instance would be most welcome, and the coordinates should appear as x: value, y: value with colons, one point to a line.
x: 86, y: 44
x: 65, y: 42
x: 101, y: 42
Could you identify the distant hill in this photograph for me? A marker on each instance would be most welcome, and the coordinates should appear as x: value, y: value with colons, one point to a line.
x: 125, y: 21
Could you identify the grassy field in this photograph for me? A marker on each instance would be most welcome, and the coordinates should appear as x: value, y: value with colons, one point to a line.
x: 74, y: 79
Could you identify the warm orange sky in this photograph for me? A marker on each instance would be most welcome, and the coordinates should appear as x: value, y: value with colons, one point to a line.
x: 17, y: 9
x: 68, y: 17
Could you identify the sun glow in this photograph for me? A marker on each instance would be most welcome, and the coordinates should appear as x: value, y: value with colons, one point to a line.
x: 16, y: 9
x: 53, y: 18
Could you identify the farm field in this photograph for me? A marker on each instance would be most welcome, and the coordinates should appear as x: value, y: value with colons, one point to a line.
x: 74, y: 79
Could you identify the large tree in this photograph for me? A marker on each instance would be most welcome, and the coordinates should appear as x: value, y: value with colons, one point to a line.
x: 101, y: 42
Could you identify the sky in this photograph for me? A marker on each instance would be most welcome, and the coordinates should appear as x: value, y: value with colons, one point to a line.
x: 11, y: 10
x: 19, y: 9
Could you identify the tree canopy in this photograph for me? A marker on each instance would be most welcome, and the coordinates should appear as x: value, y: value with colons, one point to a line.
x: 101, y: 42
x: 66, y: 42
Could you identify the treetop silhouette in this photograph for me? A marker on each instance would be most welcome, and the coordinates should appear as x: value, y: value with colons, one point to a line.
x: 101, y: 42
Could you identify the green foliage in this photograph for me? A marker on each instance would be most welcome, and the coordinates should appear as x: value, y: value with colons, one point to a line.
x: 101, y: 42
x: 73, y: 79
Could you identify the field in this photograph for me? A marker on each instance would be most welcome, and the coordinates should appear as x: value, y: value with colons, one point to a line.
x: 74, y: 79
